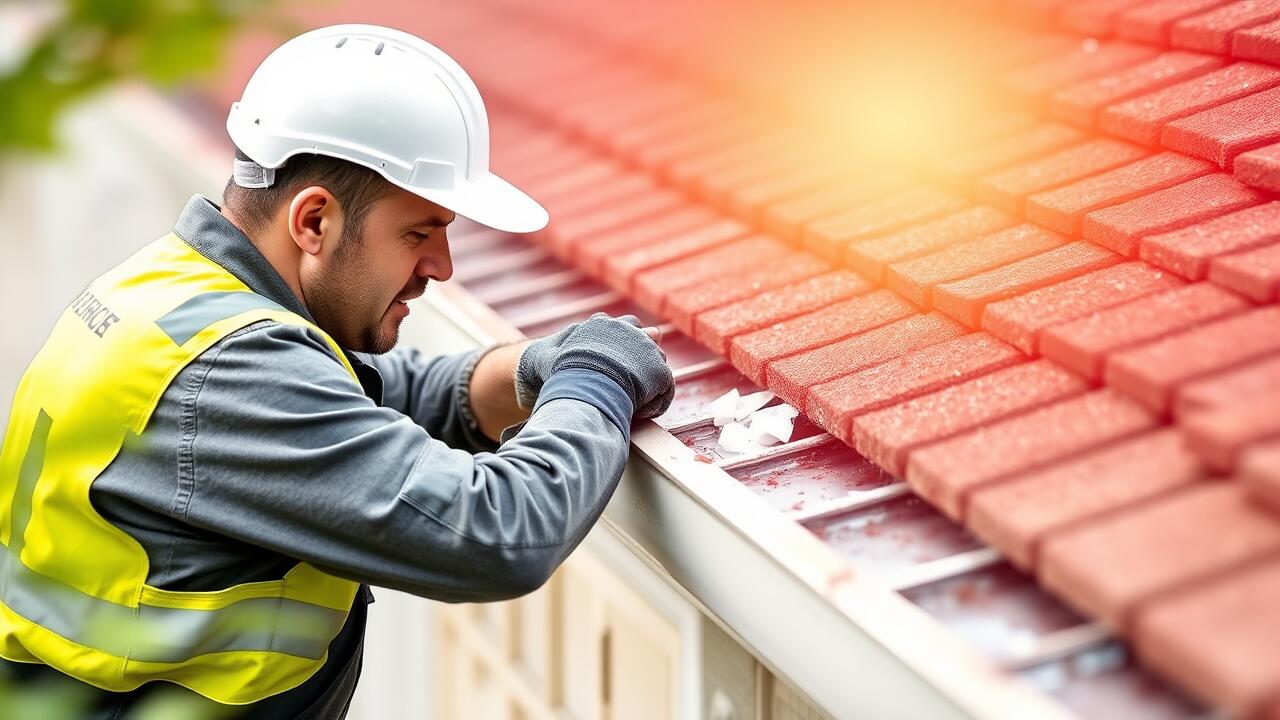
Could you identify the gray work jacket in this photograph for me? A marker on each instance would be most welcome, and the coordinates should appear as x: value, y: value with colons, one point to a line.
x: 263, y: 453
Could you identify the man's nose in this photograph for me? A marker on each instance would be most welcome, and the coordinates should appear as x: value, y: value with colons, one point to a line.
x: 437, y: 264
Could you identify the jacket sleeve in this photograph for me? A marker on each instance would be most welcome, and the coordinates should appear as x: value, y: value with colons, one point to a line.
x: 434, y: 392
x: 287, y: 453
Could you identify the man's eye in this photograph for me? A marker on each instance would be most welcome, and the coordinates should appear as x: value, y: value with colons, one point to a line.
x: 417, y: 236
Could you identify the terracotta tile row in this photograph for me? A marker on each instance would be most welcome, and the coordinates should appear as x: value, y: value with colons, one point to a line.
x: 1153, y: 371
x: 915, y: 279
x: 1016, y: 337
x: 964, y: 297
x: 1220, y: 435
x: 1022, y: 321
x: 967, y: 299
x: 820, y: 329
x: 887, y: 436
x: 1081, y: 103
x: 871, y: 257
x: 714, y: 328
x: 1123, y: 227
x: 1084, y: 344
x: 1188, y: 102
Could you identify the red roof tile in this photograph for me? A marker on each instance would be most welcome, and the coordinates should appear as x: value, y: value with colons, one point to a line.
x: 948, y: 472
x: 1231, y: 387
x: 829, y: 237
x: 793, y: 377
x: 751, y: 351
x: 1089, y: 58
x: 1260, y: 42
x: 591, y: 255
x: 715, y: 328
x: 1140, y: 119
x: 651, y: 287
x: 1152, y: 372
x: 1015, y: 515
x: 1120, y: 227
x: 621, y: 269
x: 1009, y: 188
x: 834, y: 404
x: 887, y: 436
x: 1218, y: 638
x: 788, y: 218
x: 871, y: 256
x: 1094, y: 17
x: 966, y: 299
x: 1189, y: 251
x: 1084, y: 344
x: 1081, y: 103
x: 1218, y: 435
x: 1260, y: 168
x: 915, y: 279
x: 1020, y: 321
x: 1151, y: 22
x: 1260, y: 474
x: 1004, y: 151
x: 661, y: 153
x: 1211, y: 30
x: 564, y: 236
x: 749, y: 200
x: 688, y: 171
x: 685, y: 303
x: 1064, y: 208
x: 1166, y: 543
x: 1221, y: 133
x: 715, y: 187
x: 1254, y: 274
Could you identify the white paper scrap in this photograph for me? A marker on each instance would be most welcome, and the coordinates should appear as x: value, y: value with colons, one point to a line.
x: 748, y: 404
x: 735, y: 438
x: 780, y: 410
x: 770, y: 428
x: 724, y: 409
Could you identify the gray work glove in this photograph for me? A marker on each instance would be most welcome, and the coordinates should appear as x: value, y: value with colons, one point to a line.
x: 615, y: 347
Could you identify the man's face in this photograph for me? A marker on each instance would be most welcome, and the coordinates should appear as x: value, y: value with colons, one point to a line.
x: 359, y: 290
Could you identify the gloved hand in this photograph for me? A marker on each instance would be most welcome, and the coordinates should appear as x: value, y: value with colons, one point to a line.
x: 615, y: 347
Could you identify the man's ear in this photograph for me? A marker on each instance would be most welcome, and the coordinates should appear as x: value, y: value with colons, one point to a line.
x: 314, y: 219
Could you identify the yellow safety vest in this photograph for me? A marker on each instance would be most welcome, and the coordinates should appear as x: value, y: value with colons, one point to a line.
x: 73, y: 591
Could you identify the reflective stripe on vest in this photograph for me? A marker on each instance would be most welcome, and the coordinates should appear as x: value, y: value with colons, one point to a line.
x: 73, y: 590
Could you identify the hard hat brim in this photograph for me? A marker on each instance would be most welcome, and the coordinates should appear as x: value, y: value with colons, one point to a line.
x: 490, y: 201
x: 412, y: 114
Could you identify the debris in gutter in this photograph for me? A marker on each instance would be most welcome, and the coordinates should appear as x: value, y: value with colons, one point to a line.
x: 747, y: 425
x: 774, y: 424
x: 731, y: 406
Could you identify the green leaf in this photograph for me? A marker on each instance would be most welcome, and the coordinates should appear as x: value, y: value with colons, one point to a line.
x: 181, y: 48
x: 97, y: 42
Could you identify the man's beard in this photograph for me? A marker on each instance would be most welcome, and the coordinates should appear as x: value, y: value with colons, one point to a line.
x: 340, y: 287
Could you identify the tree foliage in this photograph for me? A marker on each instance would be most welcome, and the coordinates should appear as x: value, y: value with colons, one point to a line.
x: 92, y: 43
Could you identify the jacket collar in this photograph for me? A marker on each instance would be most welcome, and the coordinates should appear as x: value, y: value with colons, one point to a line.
x: 202, y: 226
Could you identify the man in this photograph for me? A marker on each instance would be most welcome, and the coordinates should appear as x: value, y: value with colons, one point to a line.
x: 218, y: 448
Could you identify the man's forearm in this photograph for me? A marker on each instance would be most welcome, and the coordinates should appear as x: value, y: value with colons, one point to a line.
x: 493, y: 392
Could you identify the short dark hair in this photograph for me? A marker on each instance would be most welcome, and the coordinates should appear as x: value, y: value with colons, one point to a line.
x: 354, y: 186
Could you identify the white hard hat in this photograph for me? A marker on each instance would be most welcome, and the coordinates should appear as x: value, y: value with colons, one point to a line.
x: 383, y: 99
